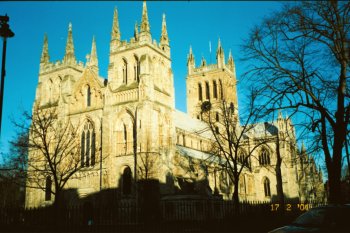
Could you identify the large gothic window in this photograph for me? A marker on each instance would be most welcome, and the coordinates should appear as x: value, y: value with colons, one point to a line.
x: 88, y: 96
x: 207, y: 91
x: 264, y: 157
x: 267, y: 187
x: 48, y: 188
x: 200, y: 95
x: 126, y: 188
x: 215, y: 90
x: 125, y: 71
x: 88, y: 139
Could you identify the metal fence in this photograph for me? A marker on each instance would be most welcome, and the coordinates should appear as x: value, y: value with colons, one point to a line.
x: 169, y: 215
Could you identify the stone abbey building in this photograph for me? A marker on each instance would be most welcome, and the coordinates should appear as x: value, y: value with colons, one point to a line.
x: 132, y: 115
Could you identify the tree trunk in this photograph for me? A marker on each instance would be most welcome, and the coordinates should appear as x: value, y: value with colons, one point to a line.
x: 334, y: 183
x: 235, y: 196
x: 278, y: 171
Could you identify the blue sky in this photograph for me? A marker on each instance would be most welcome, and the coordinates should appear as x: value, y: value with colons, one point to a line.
x: 189, y: 23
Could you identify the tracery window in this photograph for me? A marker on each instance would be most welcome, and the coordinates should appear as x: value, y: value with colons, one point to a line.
x: 267, y: 187
x: 264, y: 157
x: 244, y: 159
x: 88, y: 145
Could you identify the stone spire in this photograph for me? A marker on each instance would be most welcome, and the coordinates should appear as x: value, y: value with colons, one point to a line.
x: 231, y: 63
x: 190, y: 61
x: 145, y: 32
x: 164, y: 40
x: 115, y: 34
x: 69, y: 57
x: 220, y: 56
x: 136, y: 31
x: 93, y: 61
x: 45, y: 57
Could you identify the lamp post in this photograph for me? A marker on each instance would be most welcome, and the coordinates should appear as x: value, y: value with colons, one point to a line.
x: 5, y: 32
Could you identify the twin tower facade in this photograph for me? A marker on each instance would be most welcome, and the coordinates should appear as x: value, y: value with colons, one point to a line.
x: 130, y: 130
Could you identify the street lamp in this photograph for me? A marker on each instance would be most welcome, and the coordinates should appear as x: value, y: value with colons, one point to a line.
x: 5, y: 32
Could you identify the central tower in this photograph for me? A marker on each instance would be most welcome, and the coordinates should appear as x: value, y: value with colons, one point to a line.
x: 214, y: 83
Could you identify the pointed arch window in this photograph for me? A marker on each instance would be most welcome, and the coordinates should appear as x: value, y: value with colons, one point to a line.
x: 126, y: 186
x: 125, y: 133
x: 88, y: 145
x: 200, y: 95
x: 267, y: 187
x: 215, y: 90
x: 244, y: 159
x: 264, y: 157
x: 221, y: 90
x: 137, y: 69
x: 207, y: 91
x: 48, y: 188
x: 88, y: 96
x: 125, y: 71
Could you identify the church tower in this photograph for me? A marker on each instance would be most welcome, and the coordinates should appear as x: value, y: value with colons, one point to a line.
x: 211, y: 82
x: 57, y: 78
x: 140, y: 92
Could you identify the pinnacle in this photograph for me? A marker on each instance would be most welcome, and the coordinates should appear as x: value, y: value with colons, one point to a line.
x: 145, y: 27
x: 93, y: 56
x: 164, y: 36
x: 115, y: 27
x: 69, y: 56
x: 45, y: 58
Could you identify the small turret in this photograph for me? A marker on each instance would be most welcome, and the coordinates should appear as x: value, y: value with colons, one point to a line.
x: 115, y: 34
x: 190, y: 61
x: 220, y: 55
x: 93, y: 60
x: 231, y: 63
x: 164, y: 39
x: 69, y: 56
x: 145, y: 32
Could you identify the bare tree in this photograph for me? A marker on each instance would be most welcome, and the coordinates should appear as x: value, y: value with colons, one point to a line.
x: 232, y: 142
x: 147, y: 161
x: 13, y: 173
x: 300, y: 58
x: 54, y: 150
